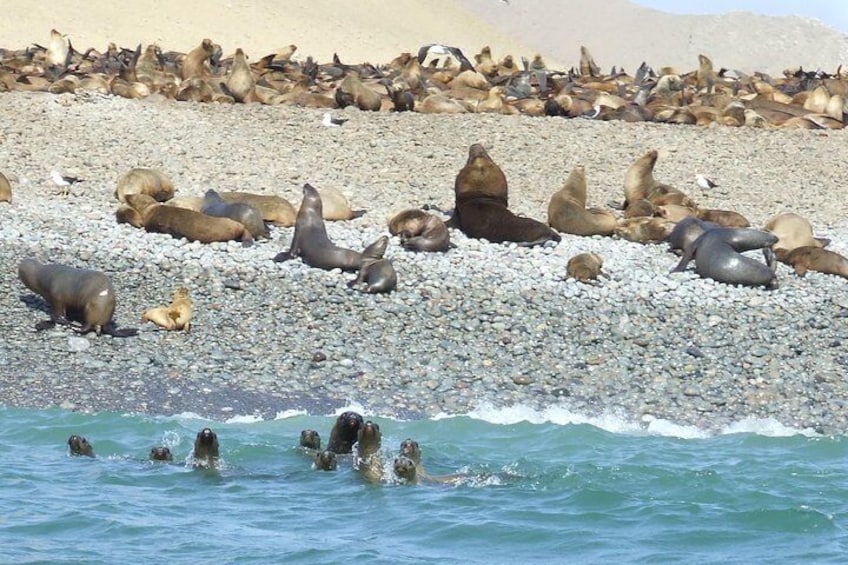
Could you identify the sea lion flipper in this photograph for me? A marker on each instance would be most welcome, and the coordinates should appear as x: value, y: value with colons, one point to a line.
x: 283, y: 256
x: 123, y: 332
x: 45, y: 325
x: 688, y: 255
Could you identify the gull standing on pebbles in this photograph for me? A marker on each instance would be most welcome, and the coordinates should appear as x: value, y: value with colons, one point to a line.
x: 332, y: 122
x: 64, y: 182
x: 705, y: 183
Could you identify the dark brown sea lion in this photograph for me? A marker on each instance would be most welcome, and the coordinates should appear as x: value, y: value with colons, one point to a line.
x: 420, y: 231
x: 369, y: 462
x: 312, y: 244
x: 78, y: 445
x: 181, y: 222
x: 161, y: 453
x: 245, y: 214
x: 5, y: 189
x: 206, y: 449
x: 74, y: 295
x: 325, y: 461
x: 813, y: 258
x: 718, y: 255
x: 145, y: 181
x: 481, y: 209
x: 274, y: 209
x: 310, y: 439
x: 567, y: 212
x: 585, y: 267
x: 344, y: 432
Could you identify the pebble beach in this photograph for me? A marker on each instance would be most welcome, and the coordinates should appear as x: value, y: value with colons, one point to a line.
x: 481, y: 324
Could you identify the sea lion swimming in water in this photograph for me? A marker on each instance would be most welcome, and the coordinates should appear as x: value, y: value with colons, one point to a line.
x: 325, y: 461
x: 161, y: 453
x: 718, y: 256
x: 481, y: 209
x: 369, y: 463
x: 79, y: 446
x: 344, y: 432
x: 74, y: 295
x: 206, y: 448
x: 310, y: 439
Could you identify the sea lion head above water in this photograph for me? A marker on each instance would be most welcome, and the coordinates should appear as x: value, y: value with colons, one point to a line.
x: 368, y: 439
x: 206, y: 448
x: 405, y: 469
x: 78, y: 445
x: 344, y: 432
x: 310, y: 439
x: 325, y: 461
x: 410, y: 448
x: 161, y: 453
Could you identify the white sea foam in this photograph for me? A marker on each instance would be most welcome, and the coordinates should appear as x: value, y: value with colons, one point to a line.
x: 286, y: 414
x: 766, y: 427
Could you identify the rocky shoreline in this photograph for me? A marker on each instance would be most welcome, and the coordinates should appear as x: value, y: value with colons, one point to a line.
x: 481, y: 323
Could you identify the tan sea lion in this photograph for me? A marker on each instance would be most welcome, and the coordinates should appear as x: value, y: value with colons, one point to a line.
x: 718, y: 256
x: 197, y: 62
x: 206, y: 448
x: 639, y: 179
x: 376, y: 275
x: 74, y: 295
x: 420, y: 231
x: 640, y: 208
x: 176, y: 316
x: 335, y: 205
x: 726, y: 218
x: 240, y: 82
x: 180, y: 222
x: 143, y: 180
x: 344, y: 432
x: 58, y: 51
x: 310, y: 439
x: 312, y: 244
x: 644, y: 230
x: 369, y: 461
x: 79, y: 446
x: 325, y: 461
x: 674, y: 212
x: 159, y: 315
x: 481, y: 209
x: 5, y: 189
x: 161, y: 453
x: 585, y: 267
x: 245, y: 214
x: 792, y: 231
x: 814, y: 258
x: 567, y: 212
x: 351, y: 91
x: 406, y: 470
x: 274, y: 209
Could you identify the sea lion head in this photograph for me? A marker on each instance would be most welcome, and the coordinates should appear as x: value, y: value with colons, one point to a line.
x: 311, y: 200
x: 310, y: 439
x: 369, y: 438
x: 78, y: 445
x: 410, y: 448
x: 480, y: 177
x: 326, y: 461
x: 161, y: 453
x: 206, y: 444
x: 405, y: 468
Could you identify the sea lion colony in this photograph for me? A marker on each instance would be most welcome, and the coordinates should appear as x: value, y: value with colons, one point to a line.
x: 439, y: 79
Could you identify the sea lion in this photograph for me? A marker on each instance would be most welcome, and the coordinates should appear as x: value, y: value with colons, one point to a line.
x: 206, y: 448
x: 792, y: 231
x: 686, y: 231
x: 241, y: 82
x: 640, y: 208
x: 814, y: 258
x: 376, y: 275
x: 188, y: 202
x: 481, y: 208
x: 310, y: 439
x: 159, y: 315
x: 718, y: 255
x: 639, y: 179
x: 312, y: 244
x: 335, y: 205
x: 406, y: 470
x: 198, y: 62
x: 369, y: 462
x: 725, y: 218
x: 245, y: 214
x: 351, y: 91
x: 585, y: 267
x: 181, y: 222
x: 420, y: 231
x: 344, y: 432
x: 74, y: 295
x: 325, y: 461
x: 644, y: 230
x: 567, y: 212
x: 161, y: 453
x: 142, y: 180
x: 5, y: 189
x: 176, y: 316
x: 274, y: 209
x: 79, y: 446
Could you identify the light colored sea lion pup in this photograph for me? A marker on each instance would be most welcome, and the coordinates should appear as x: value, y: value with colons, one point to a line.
x: 312, y: 244
x: 792, y: 231
x: 197, y: 62
x: 74, y: 295
x: 814, y: 258
x: 177, y: 316
x: 79, y: 446
x: 718, y: 256
x: 181, y: 222
x: 206, y: 449
x: 369, y: 460
x: 143, y: 180
x: 274, y: 209
x: 376, y: 275
x: 420, y: 231
x: 567, y: 212
x: 5, y: 189
x: 585, y: 267
x: 245, y: 214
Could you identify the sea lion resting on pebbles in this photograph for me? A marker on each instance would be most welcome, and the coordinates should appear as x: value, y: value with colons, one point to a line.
x: 585, y: 267
x: 567, y: 212
x: 245, y: 214
x: 151, y: 182
x: 686, y: 231
x: 74, y: 295
x: 792, y: 231
x: 344, y: 433
x: 482, y: 211
x: 420, y: 231
x: 274, y: 209
x: 376, y: 275
x: 79, y: 446
x: 814, y: 258
x: 177, y: 316
x: 718, y: 255
x: 5, y: 189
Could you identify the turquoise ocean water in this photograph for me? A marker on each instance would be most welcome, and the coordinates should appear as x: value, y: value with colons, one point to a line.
x: 533, y: 487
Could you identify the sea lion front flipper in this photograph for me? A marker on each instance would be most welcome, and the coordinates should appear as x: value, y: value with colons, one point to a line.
x: 110, y: 329
x: 688, y: 255
x: 768, y: 255
x: 283, y: 256
x: 45, y: 325
x: 825, y: 241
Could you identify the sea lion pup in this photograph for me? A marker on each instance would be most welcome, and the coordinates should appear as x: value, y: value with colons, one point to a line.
x: 686, y: 231
x: 177, y: 316
x: 335, y: 205
x: 180, y: 222
x: 142, y: 180
x: 567, y: 212
x: 481, y: 209
x: 420, y: 231
x: 240, y: 82
x: 814, y: 258
x: 792, y: 231
x: 639, y: 179
x: 79, y: 446
x: 312, y: 244
x: 5, y: 189
x: 206, y: 449
x: 245, y: 214
x: 369, y: 461
x: 74, y: 295
x: 640, y: 208
x: 406, y: 470
x: 159, y: 315
x: 325, y: 461
x: 197, y: 62
x: 725, y: 218
x: 376, y: 275
x: 718, y: 256
x: 274, y: 209
x: 585, y: 267
x: 310, y: 439
x: 161, y: 453
x: 344, y: 432
x: 644, y: 230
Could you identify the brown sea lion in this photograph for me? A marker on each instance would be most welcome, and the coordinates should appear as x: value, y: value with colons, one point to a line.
x: 420, y: 231
x: 161, y: 453
x: 567, y: 212
x: 375, y: 276
x: 325, y: 461
x: 813, y: 258
x: 240, y: 82
x: 335, y: 205
x: 406, y: 470
x: 79, y: 446
x: 310, y: 439
x: 198, y: 62
x: 187, y: 202
x: 639, y: 179
x: 351, y: 91
x: 640, y: 208
x: 792, y: 231
x: 481, y: 209
x: 181, y: 222
x: 312, y: 244
x: 725, y: 218
x: 344, y: 432
x: 245, y: 214
x: 74, y: 295
x: 206, y: 448
x: 143, y: 180
x: 718, y: 256
x: 644, y: 230
x: 369, y: 461
x: 674, y: 212
x: 274, y: 209
x: 585, y: 267
x: 5, y: 189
